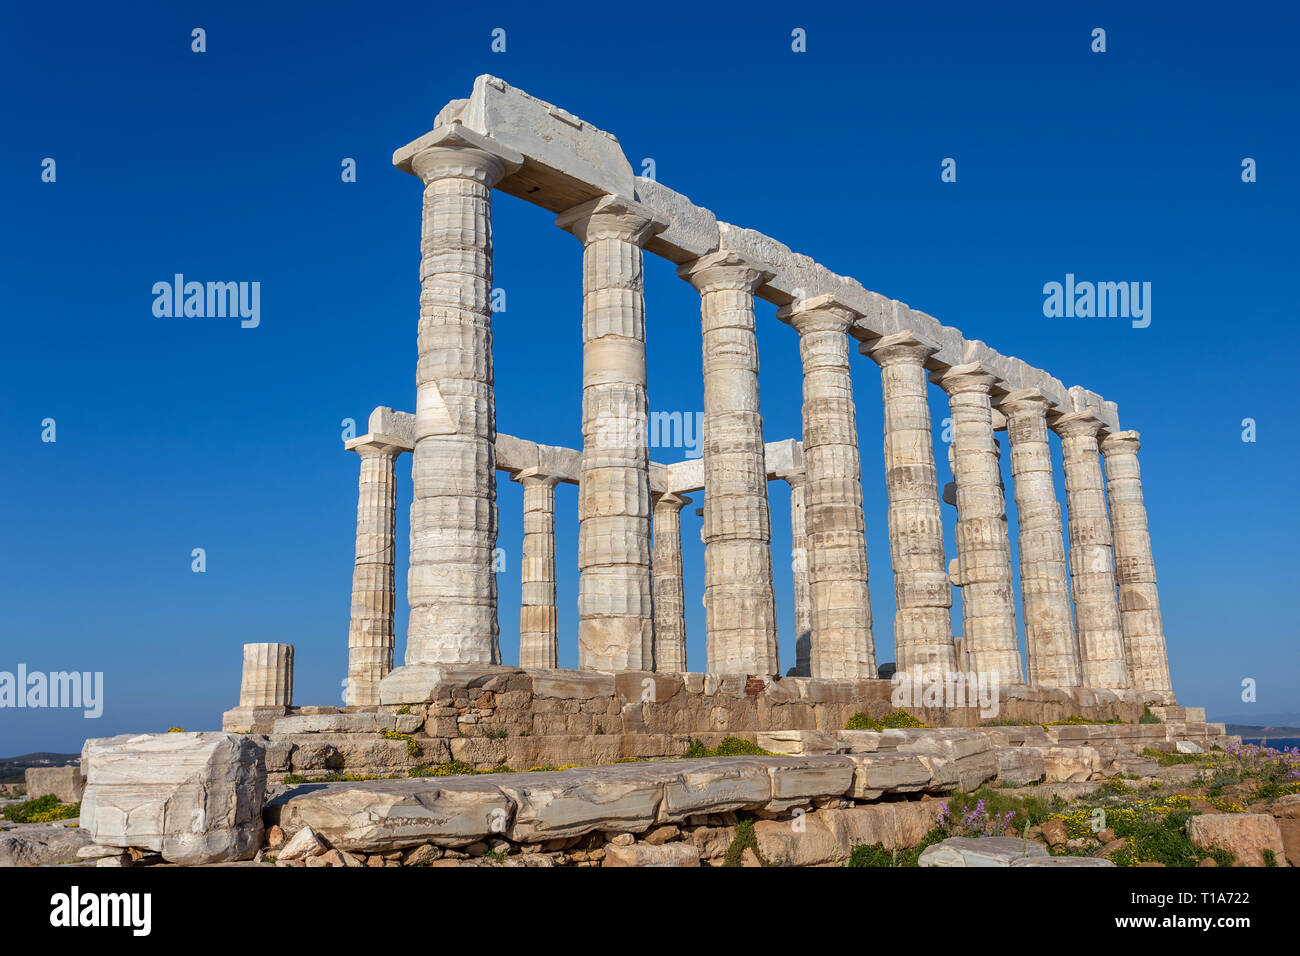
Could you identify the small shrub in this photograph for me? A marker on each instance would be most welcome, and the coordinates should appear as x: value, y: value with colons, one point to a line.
x: 729, y: 747
x: 404, y: 709
x: 895, y: 719
x: 742, y: 841
x: 44, y: 809
x: 176, y: 730
x: 1148, y: 717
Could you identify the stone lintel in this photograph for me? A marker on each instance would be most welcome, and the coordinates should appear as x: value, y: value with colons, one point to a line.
x: 692, y: 230
x: 396, y: 443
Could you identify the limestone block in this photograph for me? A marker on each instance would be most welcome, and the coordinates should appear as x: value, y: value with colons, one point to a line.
x: 1070, y: 764
x: 807, y: 840
x: 1245, y: 835
x: 720, y: 785
x: 880, y: 773
x: 860, y: 741
x: 645, y: 854
x: 380, y: 816
x: 42, y: 845
x: 335, y: 724
x: 797, y: 781
x: 980, y: 851
x: 1018, y: 766
x: 1061, y: 861
x: 572, y: 802
x: 799, y: 742
x: 66, y: 783
x: 251, y: 720
x: 894, y: 825
x: 193, y: 797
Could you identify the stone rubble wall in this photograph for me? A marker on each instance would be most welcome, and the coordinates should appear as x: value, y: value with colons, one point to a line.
x: 494, y: 716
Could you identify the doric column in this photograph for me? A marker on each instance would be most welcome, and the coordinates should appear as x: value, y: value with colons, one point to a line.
x: 669, y: 596
x: 1092, y: 576
x: 739, y: 608
x: 615, y: 607
x: 538, y: 631
x: 1049, y: 630
x: 267, y: 679
x: 842, y: 644
x: 370, y: 632
x: 983, y: 552
x: 451, y: 583
x: 923, y: 643
x: 1135, y: 569
x: 797, y: 480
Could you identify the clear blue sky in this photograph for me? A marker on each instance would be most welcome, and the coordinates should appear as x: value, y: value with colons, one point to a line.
x: 175, y: 434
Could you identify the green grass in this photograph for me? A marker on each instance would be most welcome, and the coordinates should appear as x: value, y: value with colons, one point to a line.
x: 729, y: 747
x: 893, y: 719
x: 44, y: 809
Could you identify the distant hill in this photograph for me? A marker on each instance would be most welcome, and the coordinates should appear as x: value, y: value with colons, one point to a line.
x: 1251, y: 730
x: 12, y: 768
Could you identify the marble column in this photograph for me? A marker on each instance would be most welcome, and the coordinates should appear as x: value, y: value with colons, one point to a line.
x: 1092, y: 575
x: 451, y: 584
x: 923, y: 642
x: 1050, y: 642
x: 1135, y: 569
x: 538, y: 630
x: 983, y: 551
x: 739, y: 607
x: 842, y: 643
x: 370, y: 631
x: 669, y: 595
x: 799, y: 568
x: 615, y: 605
x: 267, y: 679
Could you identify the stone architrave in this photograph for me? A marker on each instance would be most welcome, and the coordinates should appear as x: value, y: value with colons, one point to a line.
x: 923, y: 642
x: 842, y: 642
x: 1135, y: 569
x: 615, y: 605
x: 739, y: 606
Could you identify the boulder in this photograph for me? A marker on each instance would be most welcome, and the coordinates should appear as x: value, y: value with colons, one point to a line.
x: 1070, y: 764
x: 192, y: 797
x: 1245, y: 835
x: 1018, y: 766
x: 1188, y: 747
x: 42, y: 845
x: 646, y: 854
x: 301, y: 845
x: 980, y: 851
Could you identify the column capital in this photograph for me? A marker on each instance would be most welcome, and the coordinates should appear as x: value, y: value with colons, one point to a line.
x: 532, y: 477
x: 612, y: 217
x: 1121, y: 442
x: 724, y: 270
x: 794, y: 477
x: 968, y: 377
x: 822, y: 313
x: 669, y: 498
x: 452, y: 151
x: 371, y: 445
x: 1025, y: 400
x: 1077, y: 425
x: 899, y: 348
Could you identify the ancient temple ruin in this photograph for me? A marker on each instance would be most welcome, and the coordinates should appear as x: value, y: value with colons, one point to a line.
x: 1091, y: 611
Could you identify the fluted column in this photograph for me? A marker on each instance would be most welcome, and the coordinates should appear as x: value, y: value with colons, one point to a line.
x: 267, y: 678
x: 615, y: 607
x: 451, y: 584
x: 923, y: 643
x: 798, y: 483
x: 739, y: 607
x: 370, y: 631
x: 983, y: 552
x: 669, y: 595
x: 1135, y: 569
x: 1050, y: 642
x: 538, y: 630
x: 842, y: 643
x: 1092, y: 576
